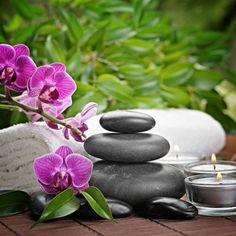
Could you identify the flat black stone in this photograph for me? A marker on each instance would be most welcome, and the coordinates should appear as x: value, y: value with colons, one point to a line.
x: 127, y: 121
x: 38, y: 202
x: 167, y: 208
x: 138, y: 183
x: 128, y: 148
x: 118, y: 208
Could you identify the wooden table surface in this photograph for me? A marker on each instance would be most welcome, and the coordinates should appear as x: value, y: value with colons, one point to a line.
x: 19, y: 225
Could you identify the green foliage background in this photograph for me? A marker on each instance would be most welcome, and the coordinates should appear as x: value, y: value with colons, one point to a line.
x: 123, y: 55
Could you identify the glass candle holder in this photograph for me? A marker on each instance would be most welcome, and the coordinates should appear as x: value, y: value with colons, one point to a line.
x: 207, y: 167
x: 212, y: 197
x: 180, y: 160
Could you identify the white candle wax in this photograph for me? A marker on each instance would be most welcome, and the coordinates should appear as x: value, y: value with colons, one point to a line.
x: 213, y: 181
x: 206, y: 167
x: 210, y: 167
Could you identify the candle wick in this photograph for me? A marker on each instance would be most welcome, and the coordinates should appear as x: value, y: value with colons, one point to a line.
x: 177, y: 156
x: 214, y: 166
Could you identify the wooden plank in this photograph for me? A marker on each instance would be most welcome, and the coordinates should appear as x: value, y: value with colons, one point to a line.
x: 204, y: 226
x: 131, y: 226
x: 5, y: 231
x: 21, y: 225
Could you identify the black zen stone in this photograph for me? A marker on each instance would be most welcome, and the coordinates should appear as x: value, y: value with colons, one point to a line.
x: 138, y: 183
x: 128, y: 148
x: 38, y: 202
x: 167, y: 208
x: 127, y: 121
x: 118, y: 208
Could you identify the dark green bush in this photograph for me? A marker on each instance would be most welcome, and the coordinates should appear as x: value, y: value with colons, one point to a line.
x: 123, y: 54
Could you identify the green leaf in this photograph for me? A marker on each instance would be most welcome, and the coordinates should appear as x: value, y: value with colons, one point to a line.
x: 63, y: 204
x: 205, y: 79
x: 230, y: 76
x: 175, y: 96
x: 139, y: 8
x: 25, y: 9
x: 13, y: 202
x: 78, y: 104
x: 98, y: 202
x: 112, y: 86
x: 132, y: 70
x: 176, y: 74
x: 72, y: 23
x: 138, y: 45
x: 54, y: 50
x: 18, y: 117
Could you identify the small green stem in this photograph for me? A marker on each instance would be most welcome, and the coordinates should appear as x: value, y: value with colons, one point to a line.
x: 7, y: 104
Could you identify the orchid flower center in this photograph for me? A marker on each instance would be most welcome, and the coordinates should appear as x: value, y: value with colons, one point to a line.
x: 48, y: 94
x: 7, y: 75
x: 62, y: 179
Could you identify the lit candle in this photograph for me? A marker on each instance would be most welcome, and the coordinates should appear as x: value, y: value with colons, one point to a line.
x: 178, y: 159
x: 206, y: 167
x: 212, y: 194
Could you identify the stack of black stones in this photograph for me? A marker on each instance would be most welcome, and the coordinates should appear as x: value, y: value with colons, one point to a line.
x: 124, y: 174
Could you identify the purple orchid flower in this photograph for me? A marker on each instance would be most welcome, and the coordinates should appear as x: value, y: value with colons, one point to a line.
x: 51, y: 84
x: 77, y: 122
x: 55, y: 111
x: 16, y: 67
x: 62, y: 169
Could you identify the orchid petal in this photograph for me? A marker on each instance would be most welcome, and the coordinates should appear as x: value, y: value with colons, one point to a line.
x: 65, y: 84
x: 25, y: 67
x: 76, y: 136
x: 89, y: 111
x: 64, y: 151
x: 49, y: 188
x: 80, y: 169
x: 7, y: 53
x: 21, y: 49
x: 58, y: 67
x: 65, y: 132
x: 45, y: 167
x: 40, y: 75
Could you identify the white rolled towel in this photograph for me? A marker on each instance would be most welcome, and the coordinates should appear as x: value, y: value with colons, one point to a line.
x: 195, y: 132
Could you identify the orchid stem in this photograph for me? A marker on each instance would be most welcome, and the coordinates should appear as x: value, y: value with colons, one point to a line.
x: 10, y: 103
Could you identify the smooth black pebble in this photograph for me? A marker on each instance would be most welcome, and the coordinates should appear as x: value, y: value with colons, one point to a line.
x: 38, y: 202
x: 167, y: 208
x: 118, y: 208
x: 128, y: 148
x: 127, y: 121
x: 138, y: 182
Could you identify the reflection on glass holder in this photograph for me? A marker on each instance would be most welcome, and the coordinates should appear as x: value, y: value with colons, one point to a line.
x: 210, y: 196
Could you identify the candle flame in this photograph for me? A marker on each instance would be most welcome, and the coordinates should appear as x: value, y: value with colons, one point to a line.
x: 213, y: 158
x: 218, y: 177
x: 176, y: 148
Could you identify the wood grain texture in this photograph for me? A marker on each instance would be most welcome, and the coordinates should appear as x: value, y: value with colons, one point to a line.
x: 19, y: 225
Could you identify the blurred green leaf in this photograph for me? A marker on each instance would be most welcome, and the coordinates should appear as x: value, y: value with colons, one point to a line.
x: 113, y: 87
x: 54, y: 50
x: 206, y: 79
x: 230, y: 76
x: 72, y: 23
x: 18, y: 117
x: 78, y: 104
x: 175, y: 96
x: 25, y: 9
x: 176, y: 74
